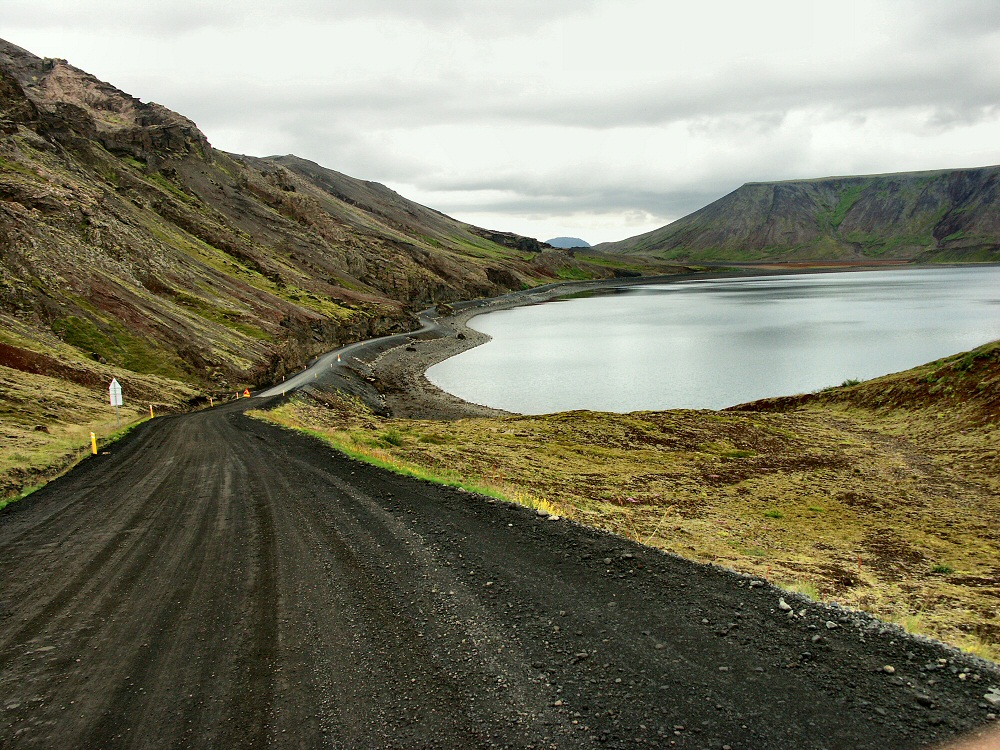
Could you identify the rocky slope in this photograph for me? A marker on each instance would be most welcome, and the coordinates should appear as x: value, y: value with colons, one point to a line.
x: 130, y: 248
x: 942, y: 216
x: 124, y: 234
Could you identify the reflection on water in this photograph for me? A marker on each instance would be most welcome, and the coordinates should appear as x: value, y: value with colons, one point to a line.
x: 720, y: 342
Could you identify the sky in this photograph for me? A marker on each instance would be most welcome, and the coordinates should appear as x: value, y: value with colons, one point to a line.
x: 598, y: 119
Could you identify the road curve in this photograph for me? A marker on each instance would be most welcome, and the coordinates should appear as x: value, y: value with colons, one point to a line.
x: 339, y: 359
x: 214, y: 581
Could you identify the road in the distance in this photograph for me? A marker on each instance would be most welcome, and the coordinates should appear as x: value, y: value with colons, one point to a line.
x: 217, y: 582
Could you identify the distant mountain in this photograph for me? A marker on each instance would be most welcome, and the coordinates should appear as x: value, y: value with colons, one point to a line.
x: 567, y: 242
x: 940, y: 216
x: 128, y: 242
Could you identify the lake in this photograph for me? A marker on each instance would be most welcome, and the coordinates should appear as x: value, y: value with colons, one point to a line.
x: 712, y: 343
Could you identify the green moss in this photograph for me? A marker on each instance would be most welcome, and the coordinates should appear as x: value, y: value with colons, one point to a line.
x: 231, y: 319
x: 848, y: 198
x: 114, y: 344
x: 162, y: 182
x: 831, y: 220
x: 572, y: 273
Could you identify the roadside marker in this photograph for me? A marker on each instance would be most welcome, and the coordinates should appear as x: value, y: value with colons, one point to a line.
x: 115, y: 392
x: 93, y: 443
x: 246, y: 393
x: 150, y: 411
x: 211, y: 401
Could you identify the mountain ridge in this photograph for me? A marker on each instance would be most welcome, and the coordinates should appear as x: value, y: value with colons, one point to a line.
x: 947, y: 215
x: 127, y: 236
x: 131, y: 248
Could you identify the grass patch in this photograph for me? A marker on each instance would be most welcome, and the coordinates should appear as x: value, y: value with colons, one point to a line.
x: 49, y: 460
x: 111, y: 342
x: 46, y: 421
x: 371, y: 450
x: 5, y: 501
x: 805, y: 588
x: 913, y: 624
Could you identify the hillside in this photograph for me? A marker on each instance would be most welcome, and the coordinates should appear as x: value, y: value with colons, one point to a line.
x: 940, y: 216
x: 131, y: 248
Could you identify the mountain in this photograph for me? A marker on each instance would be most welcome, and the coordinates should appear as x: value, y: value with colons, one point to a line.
x: 128, y: 244
x: 567, y: 242
x: 939, y: 216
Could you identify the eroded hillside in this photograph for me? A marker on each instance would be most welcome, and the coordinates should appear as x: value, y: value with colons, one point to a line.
x: 126, y: 235
x: 131, y: 248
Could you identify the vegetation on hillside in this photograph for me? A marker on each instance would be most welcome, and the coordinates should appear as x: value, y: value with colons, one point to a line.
x: 945, y: 216
x: 131, y: 248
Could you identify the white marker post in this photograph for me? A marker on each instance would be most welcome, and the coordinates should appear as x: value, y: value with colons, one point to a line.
x: 115, y: 390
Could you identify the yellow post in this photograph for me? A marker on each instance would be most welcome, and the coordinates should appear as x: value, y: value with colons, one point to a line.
x: 211, y: 401
x: 150, y: 411
x: 93, y: 443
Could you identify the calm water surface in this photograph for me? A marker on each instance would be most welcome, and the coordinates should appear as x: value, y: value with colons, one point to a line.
x: 716, y: 343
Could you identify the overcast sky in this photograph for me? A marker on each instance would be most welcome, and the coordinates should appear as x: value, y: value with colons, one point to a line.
x: 599, y: 119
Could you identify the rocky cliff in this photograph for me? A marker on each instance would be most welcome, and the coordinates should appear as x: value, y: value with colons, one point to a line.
x: 942, y: 216
x: 127, y: 241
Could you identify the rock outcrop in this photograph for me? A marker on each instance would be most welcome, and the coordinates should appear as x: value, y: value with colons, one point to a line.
x: 127, y: 240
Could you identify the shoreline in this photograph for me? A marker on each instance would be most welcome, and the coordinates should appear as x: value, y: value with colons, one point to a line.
x: 390, y: 375
x: 399, y: 373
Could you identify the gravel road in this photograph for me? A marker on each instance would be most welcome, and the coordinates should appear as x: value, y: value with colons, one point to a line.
x: 214, y: 581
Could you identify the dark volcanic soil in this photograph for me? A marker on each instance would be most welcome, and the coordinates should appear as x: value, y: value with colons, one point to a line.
x: 214, y: 581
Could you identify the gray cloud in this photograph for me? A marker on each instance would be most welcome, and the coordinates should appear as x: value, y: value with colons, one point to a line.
x: 524, y: 109
x: 762, y: 97
x: 186, y: 16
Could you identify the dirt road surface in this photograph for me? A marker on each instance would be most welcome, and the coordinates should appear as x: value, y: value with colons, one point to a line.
x: 213, y: 581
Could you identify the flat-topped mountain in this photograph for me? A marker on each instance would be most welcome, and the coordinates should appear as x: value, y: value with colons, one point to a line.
x: 567, y: 242
x: 939, y: 216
